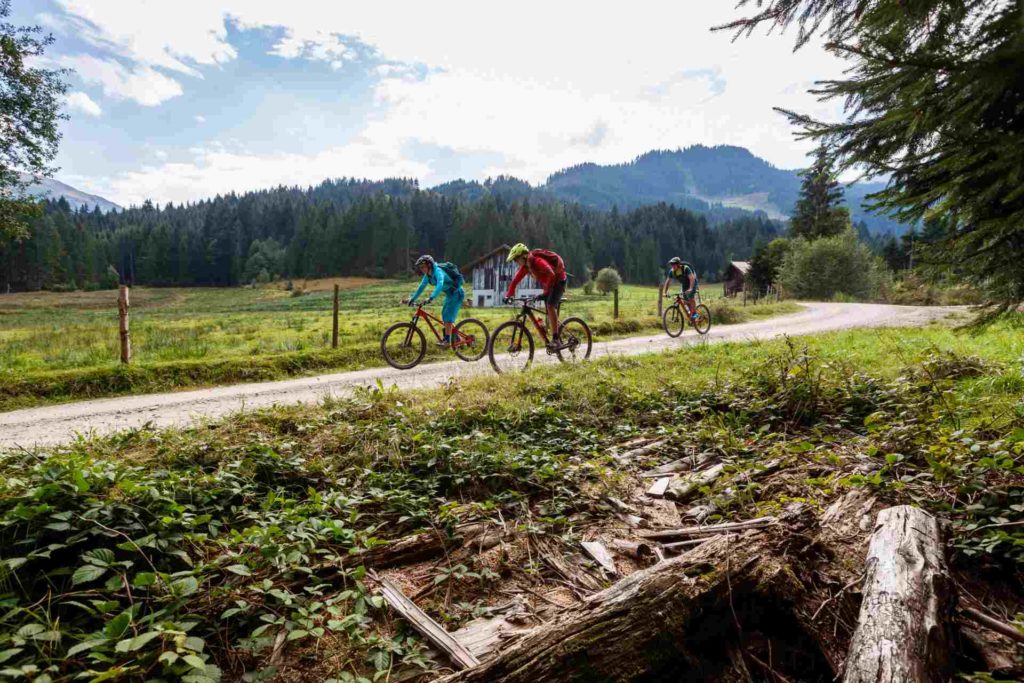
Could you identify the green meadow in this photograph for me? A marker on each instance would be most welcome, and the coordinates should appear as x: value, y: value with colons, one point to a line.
x: 65, y: 346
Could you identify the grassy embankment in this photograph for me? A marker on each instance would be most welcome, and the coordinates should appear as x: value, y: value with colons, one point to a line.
x: 57, y: 347
x: 188, y: 554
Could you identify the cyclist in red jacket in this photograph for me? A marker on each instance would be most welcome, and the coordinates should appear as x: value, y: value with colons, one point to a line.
x: 547, y: 268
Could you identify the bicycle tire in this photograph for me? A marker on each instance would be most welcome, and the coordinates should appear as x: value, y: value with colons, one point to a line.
x: 703, y: 322
x: 576, y: 333
x: 673, y: 321
x: 481, y: 339
x: 517, y: 335
x: 413, y: 340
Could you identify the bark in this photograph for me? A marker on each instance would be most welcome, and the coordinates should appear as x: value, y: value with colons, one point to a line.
x: 903, y: 633
x: 667, y: 618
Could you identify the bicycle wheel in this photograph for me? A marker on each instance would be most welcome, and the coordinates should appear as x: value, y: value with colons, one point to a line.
x: 577, y: 340
x: 475, y: 332
x: 403, y: 346
x: 703, y: 322
x: 673, y: 321
x: 511, y: 347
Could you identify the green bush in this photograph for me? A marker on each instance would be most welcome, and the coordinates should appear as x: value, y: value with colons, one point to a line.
x: 608, y: 280
x: 588, y: 287
x: 829, y: 266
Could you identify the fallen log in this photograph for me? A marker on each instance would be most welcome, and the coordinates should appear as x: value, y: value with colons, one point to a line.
x: 709, y: 530
x: 903, y: 632
x: 421, y: 546
x: 672, y: 617
x: 627, y: 456
x: 992, y: 624
x: 637, y: 551
x: 687, y: 464
x: 686, y: 487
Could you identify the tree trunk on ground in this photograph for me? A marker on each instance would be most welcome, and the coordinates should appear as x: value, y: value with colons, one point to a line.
x: 903, y: 633
x: 678, y: 616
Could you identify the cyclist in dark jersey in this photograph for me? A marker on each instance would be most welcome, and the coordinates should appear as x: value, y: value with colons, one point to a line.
x: 687, y: 278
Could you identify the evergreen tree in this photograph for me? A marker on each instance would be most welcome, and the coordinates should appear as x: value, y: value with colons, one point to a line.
x: 934, y: 92
x: 819, y: 211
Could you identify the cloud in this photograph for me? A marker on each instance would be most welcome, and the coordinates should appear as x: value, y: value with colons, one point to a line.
x: 217, y: 170
x: 141, y: 84
x: 323, y: 47
x: 170, y: 35
x: 200, y: 119
x: 79, y: 101
x: 522, y: 92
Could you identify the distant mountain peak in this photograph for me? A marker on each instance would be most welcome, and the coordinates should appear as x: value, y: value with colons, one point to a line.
x: 49, y: 188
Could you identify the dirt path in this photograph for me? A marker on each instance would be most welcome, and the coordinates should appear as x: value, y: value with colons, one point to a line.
x: 60, y: 423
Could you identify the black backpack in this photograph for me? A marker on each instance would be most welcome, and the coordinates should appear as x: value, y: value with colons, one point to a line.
x: 451, y: 271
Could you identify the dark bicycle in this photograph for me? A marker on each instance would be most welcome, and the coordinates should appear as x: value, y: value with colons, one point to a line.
x: 511, y: 346
x: 676, y: 315
x: 404, y: 345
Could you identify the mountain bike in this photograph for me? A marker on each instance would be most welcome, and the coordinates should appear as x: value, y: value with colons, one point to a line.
x: 404, y: 345
x: 511, y: 346
x: 675, y: 316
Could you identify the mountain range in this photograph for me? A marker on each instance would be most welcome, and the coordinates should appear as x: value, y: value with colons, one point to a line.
x: 723, y: 181
x: 48, y: 188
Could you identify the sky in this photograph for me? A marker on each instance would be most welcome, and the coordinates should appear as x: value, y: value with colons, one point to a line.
x: 175, y: 101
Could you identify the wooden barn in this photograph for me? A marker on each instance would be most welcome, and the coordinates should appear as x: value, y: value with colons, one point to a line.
x: 736, y: 277
x: 490, y: 276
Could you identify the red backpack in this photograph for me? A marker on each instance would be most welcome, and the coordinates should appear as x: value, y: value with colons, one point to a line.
x: 553, y: 259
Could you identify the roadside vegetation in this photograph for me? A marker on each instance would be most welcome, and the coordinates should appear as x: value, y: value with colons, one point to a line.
x: 246, y: 549
x: 57, y: 347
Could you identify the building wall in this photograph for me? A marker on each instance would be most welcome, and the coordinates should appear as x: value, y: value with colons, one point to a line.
x: 492, y: 277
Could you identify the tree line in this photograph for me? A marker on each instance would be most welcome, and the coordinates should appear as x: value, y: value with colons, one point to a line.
x: 353, y: 228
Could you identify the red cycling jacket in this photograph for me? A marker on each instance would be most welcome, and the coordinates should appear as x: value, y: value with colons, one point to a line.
x: 544, y: 265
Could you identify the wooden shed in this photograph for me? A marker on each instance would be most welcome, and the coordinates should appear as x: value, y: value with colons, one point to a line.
x: 736, y: 277
x: 490, y: 276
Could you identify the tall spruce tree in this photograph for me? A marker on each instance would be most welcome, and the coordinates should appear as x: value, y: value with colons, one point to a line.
x: 934, y: 98
x: 30, y: 99
x: 819, y: 212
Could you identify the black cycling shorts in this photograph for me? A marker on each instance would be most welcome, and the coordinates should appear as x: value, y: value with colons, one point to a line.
x: 555, y: 294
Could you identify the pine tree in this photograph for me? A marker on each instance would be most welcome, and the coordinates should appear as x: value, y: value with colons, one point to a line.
x: 819, y: 211
x: 934, y: 95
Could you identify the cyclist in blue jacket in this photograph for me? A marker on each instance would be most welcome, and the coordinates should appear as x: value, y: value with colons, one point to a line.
x: 447, y: 279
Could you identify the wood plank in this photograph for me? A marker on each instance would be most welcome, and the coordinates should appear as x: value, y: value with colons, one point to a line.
x: 597, y: 551
x: 430, y: 629
x: 658, y: 488
x: 688, y: 486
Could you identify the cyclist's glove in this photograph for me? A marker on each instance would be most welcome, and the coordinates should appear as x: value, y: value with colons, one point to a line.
x: 430, y: 301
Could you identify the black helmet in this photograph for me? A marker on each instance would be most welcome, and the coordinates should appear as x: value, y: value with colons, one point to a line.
x: 675, y: 261
x: 426, y: 258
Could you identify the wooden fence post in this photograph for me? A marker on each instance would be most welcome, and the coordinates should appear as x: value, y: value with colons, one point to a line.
x: 122, y: 314
x: 334, y: 328
x: 616, y: 314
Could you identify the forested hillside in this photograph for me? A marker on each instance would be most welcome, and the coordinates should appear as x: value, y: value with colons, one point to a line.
x: 701, y: 177
x: 349, y: 227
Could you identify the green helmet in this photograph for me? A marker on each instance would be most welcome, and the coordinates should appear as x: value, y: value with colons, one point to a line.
x: 517, y: 251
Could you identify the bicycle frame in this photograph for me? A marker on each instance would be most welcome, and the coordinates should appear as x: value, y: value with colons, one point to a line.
x: 462, y: 339
x: 528, y: 311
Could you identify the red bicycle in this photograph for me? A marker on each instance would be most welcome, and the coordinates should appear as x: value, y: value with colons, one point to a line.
x: 675, y: 317
x: 511, y: 347
x: 404, y: 345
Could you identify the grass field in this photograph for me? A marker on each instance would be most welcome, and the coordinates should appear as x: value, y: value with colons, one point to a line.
x: 243, y: 548
x: 65, y: 346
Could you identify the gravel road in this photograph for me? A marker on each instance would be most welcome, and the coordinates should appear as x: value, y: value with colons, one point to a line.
x: 60, y: 423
